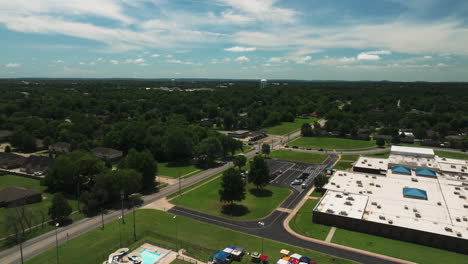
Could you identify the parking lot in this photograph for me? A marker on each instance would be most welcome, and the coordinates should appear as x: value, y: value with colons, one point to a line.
x: 291, y: 171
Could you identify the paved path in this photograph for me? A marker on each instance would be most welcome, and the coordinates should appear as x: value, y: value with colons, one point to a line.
x: 330, y: 234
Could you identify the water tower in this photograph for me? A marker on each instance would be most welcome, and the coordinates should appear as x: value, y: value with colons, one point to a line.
x: 263, y: 83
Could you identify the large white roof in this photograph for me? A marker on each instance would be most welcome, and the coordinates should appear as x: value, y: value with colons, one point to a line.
x: 410, y: 150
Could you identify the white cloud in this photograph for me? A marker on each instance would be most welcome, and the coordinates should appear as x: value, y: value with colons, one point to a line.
x: 442, y: 65
x: 427, y: 57
x: 366, y: 56
x: 275, y: 60
x: 240, y: 49
x: 139, y: 61
x: 13, y: 65
x: 303, y: 60
x: 115, y: 62
x: 169, y: 56
x: 263, y: 10
x: 183, y: 62
x: 82, y: 63
x: 58, y: 61
x: 155, y: 55
x: 242, y: 59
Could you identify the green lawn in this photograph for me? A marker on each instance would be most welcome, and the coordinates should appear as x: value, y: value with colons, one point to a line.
x: 175, y: 170
x: 396, y: 248
x: 298, y: 156
x: 206, y: 199
x: 451, y: 155
x: 331, y: 143
x: 343, y: 165
x: 289, y: 127
x: 159, y: 228
x: 349, y: 157
x: 316, y: 194
x: 383, y: 155
x: 35, y: 209
x: 302, y: 222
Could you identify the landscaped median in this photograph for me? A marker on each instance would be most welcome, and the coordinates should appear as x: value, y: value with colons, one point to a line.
x: 299, y: 156
x: 258, y: 203
x: 176, y: 170
x: 159, y: 228
x: 330, y: 143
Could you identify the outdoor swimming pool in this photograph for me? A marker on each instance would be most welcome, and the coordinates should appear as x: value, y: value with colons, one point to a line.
x: 149, y: 257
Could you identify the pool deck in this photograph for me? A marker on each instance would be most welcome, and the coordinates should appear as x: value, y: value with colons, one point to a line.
x: 167, y: 256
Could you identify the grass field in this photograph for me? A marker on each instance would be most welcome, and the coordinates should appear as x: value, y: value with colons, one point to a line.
x: 331, y: 143
x: 159, y: 228
x: 175, y: 170
x: 35, y: 209
x: 383, y: 155
x: 343, y: 165
x: 349, y: 157
x: 289, y: 127
x: 302, y: 222
x: 298, y: 156
x: 395, y: 248
x: 206, y: 199
x: 451, y: 155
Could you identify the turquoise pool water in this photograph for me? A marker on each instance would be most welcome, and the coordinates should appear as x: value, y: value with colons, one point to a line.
x: 149, y: 257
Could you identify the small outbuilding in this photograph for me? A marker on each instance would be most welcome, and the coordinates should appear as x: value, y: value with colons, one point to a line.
x: 9, y: 161
x: 60, y: 147
x: 17, y: 196
x: 107, y: 153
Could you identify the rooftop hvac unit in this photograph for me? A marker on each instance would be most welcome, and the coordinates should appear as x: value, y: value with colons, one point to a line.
x: 456, y: 193
x: 418, y: 215
x: 369, y: 192
x: 371, y: 184
x: 348, y: 203
x: 343, y: 213
x: 458, y: 219
x: 338, y: 196
x: 378, y: 206
x: 374, y: 177
x: 439, y: 203
x: 330, y: 211
x: 406, y: 207
x: 457, y: 188
x: 390, y: 221
x: 350, y: 198
x: 415, y: 210
x: 465, y: 206
x: 459, y: 234
x: 448, y: 229
x: 465, y: 219
x: 360, y: 192
x: 462, y: 197
x: 381, y: 217
x: 378, y: 186
x: 414, y: 179
x: 374, y: 203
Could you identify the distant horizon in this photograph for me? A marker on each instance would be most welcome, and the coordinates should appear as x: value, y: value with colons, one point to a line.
x: 395, y: 40
x: 218, y: 79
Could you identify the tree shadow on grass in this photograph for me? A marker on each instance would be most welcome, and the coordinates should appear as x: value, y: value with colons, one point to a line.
x: 261, y: 192
x: 234, y: 210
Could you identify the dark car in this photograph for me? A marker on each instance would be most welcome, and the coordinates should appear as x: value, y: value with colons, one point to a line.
x: 321, y: 149
x: 295, y: 147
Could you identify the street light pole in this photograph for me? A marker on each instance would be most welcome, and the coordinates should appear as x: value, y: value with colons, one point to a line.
x: 122, y: 195
x: 177, y: 233
x: 261, y: 224
x: 56, y: 240
x: 102, y: 218
x: 120, y: 232
x: 134, y: 226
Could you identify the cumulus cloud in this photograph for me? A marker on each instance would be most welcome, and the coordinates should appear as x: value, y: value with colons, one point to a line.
x: 115, y: 62
x: 137, y: 61
x: 155, y: 55
x: 240, y: 49
x: 242, y: 59
x: 303, y: 60
x: 275, y: 60
x: 13, y: 65
x: 367, y: 56
x: 59, y: 61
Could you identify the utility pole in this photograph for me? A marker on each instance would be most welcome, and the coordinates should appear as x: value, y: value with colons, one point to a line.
x: 180, y: 185
x: 21, y: 247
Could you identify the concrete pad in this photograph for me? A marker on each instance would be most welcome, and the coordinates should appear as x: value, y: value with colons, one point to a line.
x: 161, y: 204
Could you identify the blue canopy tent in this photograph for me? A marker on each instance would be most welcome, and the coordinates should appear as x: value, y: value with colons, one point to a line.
x: 425, y: 173
x: 415, y: 193
x: 220, y: 257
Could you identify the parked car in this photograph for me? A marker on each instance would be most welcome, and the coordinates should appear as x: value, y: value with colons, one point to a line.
x: 296, y: 182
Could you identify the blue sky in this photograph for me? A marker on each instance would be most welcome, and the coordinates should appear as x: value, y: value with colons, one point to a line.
x: 400, y: 40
